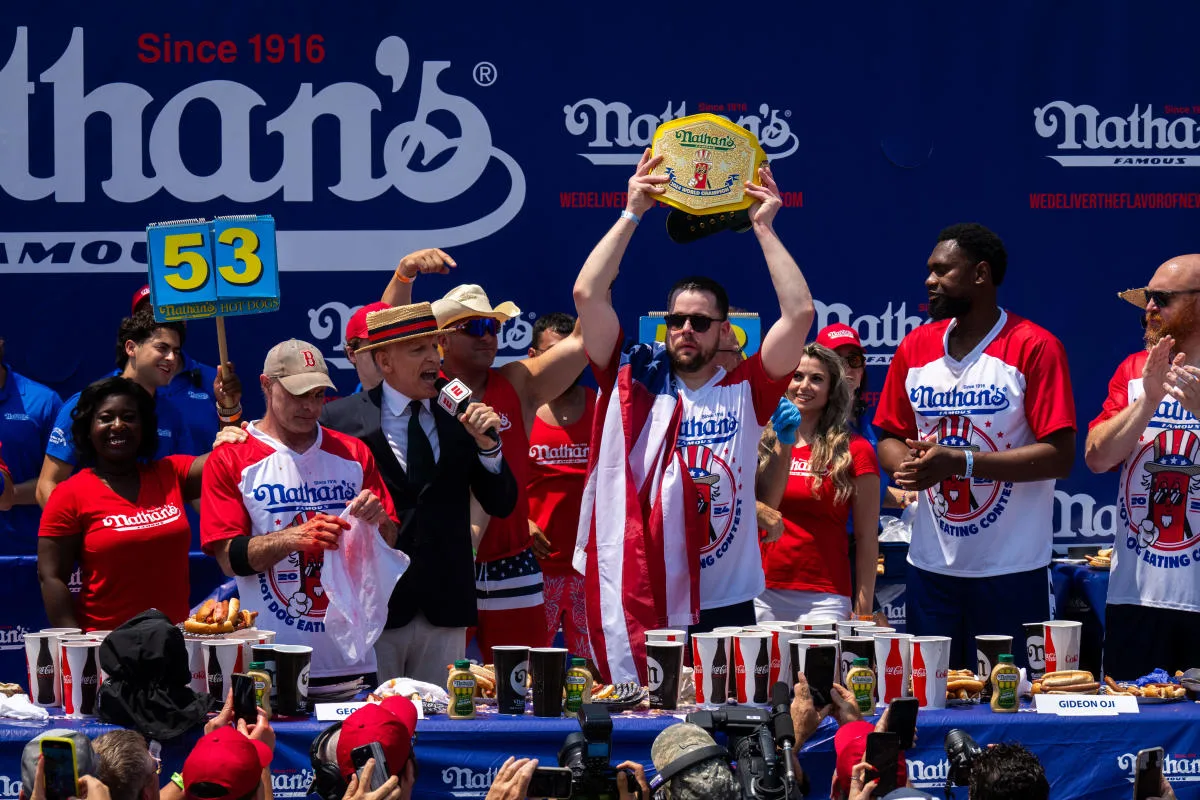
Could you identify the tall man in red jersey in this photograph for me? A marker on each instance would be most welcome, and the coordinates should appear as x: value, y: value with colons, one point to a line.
x: 977, y: 415
x: 508, y: 577
x: 559, y: 434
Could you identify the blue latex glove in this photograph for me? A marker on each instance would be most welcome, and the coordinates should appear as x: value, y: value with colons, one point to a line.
x: 786, y: 421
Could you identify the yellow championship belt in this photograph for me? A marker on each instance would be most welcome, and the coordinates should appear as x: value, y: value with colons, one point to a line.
x: 707, y: 158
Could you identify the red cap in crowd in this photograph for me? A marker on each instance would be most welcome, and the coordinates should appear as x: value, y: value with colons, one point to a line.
x: 138, y: 296
x: 228, y: 759
x: 838, y: 335
x: 356, y: 328
x: 392, y: 723
x: 850, y: 744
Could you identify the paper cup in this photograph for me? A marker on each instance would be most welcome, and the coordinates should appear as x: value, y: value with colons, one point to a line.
x: 664, y: 668
x: 264, y: 637
x: 988, y: 649
x: 292, y: 665
x: 893, y: 670
x: 512, y: 670
x: 42, y: 656
x: 856, y: 647
x: 1062, y: 639
x: 752, y: 666
x: 1035, y: 648
x: 80, y: 677
x: 220, y: 662
x: 195, y: 651
x: 796, y: 651
x: 710, y: 660
x: 780, y: 658
x: 666, y: 635
x: 929, y: 659
x: 248, y: 640
x: 547, y: 670
x: 874, y: 629
x: 847, y: 627
x: 816, y: 624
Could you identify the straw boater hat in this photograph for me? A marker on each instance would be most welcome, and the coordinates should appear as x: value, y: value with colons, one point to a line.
x: 399, y: 324
x: 469, y: 300
x: 1135, y: 296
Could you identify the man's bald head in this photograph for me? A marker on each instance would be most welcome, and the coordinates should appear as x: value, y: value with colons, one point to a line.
x: 1180, y: 272
x: 1176, y: 313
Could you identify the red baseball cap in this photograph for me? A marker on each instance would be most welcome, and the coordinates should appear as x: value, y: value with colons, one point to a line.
x: 839, y: 335
x: 850, y: 744
x: 356, y: 328
x: 228, y: 759
x: 138, y: 296
x: 392, y: 723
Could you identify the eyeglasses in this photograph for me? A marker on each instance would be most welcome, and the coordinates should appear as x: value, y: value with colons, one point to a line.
x: 1162, y: 298
x: 700, y: 323
x: 855, y: 360
x: 478, y: 327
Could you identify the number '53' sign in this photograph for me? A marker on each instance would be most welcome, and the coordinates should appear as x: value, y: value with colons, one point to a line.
x: 226, y: 267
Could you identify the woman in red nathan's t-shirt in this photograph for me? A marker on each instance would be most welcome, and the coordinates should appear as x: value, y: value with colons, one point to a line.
x: 122, y: 519
x: 815, y: 483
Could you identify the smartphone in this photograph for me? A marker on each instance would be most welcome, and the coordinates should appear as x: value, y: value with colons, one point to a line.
x: 883, y: 753
x: 245, y: 701
x: 550, y: 782
x: 902, y: 719
x: 820, y: 669
x: 359, y: 757
x: 62, y: 772
x: 1147, y: 774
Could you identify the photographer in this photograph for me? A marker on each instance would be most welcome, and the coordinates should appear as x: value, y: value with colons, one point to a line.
x: 1007, y: 772
x: 391, y: 725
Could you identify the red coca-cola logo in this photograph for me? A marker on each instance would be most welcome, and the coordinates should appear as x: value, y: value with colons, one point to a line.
x: 893, y: 670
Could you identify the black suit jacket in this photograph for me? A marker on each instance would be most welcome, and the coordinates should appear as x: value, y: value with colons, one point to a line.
x: 435, y: 524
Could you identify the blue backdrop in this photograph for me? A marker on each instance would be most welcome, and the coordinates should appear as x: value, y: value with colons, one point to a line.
x: 506, y: 137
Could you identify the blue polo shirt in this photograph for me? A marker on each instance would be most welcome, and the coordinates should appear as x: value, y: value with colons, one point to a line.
x: 191, y: 393
x: 27, y: 413
x: 173, y: 435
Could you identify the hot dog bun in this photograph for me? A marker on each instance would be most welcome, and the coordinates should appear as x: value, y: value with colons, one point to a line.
x: 1066, y: 678
x: 970, y: 685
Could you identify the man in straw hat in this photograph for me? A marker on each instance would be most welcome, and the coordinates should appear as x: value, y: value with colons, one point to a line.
x: 672, y: 420
x: 271, y: 506
x: 508, y: 581
x: 432, y: 464
x: 1148, y: 426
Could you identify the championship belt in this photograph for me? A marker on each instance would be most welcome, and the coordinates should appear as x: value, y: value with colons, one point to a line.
x: 707, y: 158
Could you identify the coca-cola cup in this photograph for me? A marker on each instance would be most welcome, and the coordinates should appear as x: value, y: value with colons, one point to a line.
x: 247, y: 639
x: 856, y: 647
x: 892, y: 666
x: 41, y: 662
x: 929, y: 659
x: 780, y: 659
x: 1035, y: 648
x: 827, y: 636
x: 988, y: 649
x: 797, y: 648
x: 81, y: 677
x: 666, y: 635
x: 847, y: 627
x: 752, y: 667
x: 220, y: 662
x: 292, y: 663
x: 547, y: 672
x: 816, y: 624
x: 264, y: 637
x: 1062, y: 639
x: 874, y: 629
x: 711, y: 659
x: 664, y: 666
x: 195, y: 654
x: 512, y: 670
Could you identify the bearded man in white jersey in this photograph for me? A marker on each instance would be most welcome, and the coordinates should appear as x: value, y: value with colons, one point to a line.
x: 685, y: 433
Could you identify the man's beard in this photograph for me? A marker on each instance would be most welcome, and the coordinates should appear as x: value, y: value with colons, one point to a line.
x: 1181, y: 327
x: 944, y: 307
x: 692, y: 362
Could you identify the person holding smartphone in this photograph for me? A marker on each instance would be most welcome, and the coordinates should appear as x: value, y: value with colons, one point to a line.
x: 385, y: 731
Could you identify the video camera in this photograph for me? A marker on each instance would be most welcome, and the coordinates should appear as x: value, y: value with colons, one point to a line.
x: 588, y: 754
x: 760, y: 742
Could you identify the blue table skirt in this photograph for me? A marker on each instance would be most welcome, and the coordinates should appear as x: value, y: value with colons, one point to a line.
x: 1083, y: 757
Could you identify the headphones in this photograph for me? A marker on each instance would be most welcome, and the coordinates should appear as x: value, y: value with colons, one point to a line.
x: 685, y: 761
x: 327, y: 783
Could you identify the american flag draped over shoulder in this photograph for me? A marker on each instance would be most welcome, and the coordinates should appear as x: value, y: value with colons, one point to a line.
x: 640, y: 530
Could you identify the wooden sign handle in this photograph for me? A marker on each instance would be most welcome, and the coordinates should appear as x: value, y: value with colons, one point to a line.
x: 222, y: 348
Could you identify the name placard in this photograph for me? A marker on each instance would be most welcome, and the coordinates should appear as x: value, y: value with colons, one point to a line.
x: 334, y: 712
x: 1085, y: 705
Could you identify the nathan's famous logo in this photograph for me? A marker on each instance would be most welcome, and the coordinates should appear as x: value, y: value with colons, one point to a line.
x: 1175, y: 769
x: 618, y: 136
x: 693, y: 139
x: 292, y: 589
x: 1171, y: 413
x: 566, y: 453
x: 148, y: 518
x: 1160, y: 501
x: 291, y: 782
x: 1139, y: 139
x: 977, y: 400
x: 327, y: 325
x: 878, y: 332
x: 146, y: 158
x: 707, y: 430
x: 964, y: 506
x: 317, y: 496
x: 13, y: 638
x: 716, y: 499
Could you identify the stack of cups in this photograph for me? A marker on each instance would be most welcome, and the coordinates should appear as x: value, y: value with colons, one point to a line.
x: 666, y: 635
x: 1061, y: 645
x: 664, y: 667
x: 80, y: 661
x: 797, y: 649
x: 893, y: 669
x: 1035, y: 649
x: 547, y: 670
x: 220, y: 662
x: 195, y: 651
x: 43, y: 654
x: 710, y: 660
x: 815, y: 624
x: 780, y: 632
x: 929, y: 661
x: 848, y: 627
x: 292, y: 664
x: 752, y: 666
x: 512, y: 670
x: 988, y: 649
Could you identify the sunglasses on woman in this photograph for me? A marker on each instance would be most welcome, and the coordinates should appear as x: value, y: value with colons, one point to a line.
x: 478, y: 327
x: 1162, y: 297
x: 855, y: 360
x: 700, y: 323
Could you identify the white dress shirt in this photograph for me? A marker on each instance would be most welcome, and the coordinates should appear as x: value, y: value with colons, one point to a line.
x: 394, y: 421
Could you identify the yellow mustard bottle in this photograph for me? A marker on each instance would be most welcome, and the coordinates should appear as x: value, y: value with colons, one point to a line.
x: 860, y: 680
x: 262, y: 685
x: 1006, y: 678
x: 579, y: 686
x: 461, y: 688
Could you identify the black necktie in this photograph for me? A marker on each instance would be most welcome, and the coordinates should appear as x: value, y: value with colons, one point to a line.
x: 420, y: 452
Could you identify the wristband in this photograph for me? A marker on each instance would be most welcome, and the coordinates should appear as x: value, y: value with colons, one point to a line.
x: 400, y: 276
x: 239, y: 556
x: 491, y: 451
x: 177, y: 779
x: 630, y: 215
x: 970, y: 464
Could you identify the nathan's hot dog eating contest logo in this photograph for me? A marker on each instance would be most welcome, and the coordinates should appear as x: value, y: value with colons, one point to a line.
x: 1160, y: 500
x: 964, y: 506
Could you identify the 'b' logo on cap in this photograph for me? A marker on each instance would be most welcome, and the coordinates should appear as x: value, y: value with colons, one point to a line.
x: 309, y: 361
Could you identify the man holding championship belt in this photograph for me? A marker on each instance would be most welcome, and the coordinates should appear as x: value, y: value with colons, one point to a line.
x: 671, y: 424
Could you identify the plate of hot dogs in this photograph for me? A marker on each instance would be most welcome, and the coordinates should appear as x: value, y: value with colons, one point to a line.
x: 1068, y: 681
x: 963, y: 687
x: 1149, y: 693
x: 214, y: 618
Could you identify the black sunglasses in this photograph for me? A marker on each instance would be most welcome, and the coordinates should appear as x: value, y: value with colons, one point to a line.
x: 1162, y: 298
x: 855, y: 360
x: 480, y: 326
x: 700, y: 323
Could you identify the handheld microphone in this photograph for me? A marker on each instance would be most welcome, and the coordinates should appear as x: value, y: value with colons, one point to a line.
x: 454, y: 397
x: 785, y: 732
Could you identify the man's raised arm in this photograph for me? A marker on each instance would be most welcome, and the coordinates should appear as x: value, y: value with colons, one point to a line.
x: 783, y: 345
x: 593, y: 300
